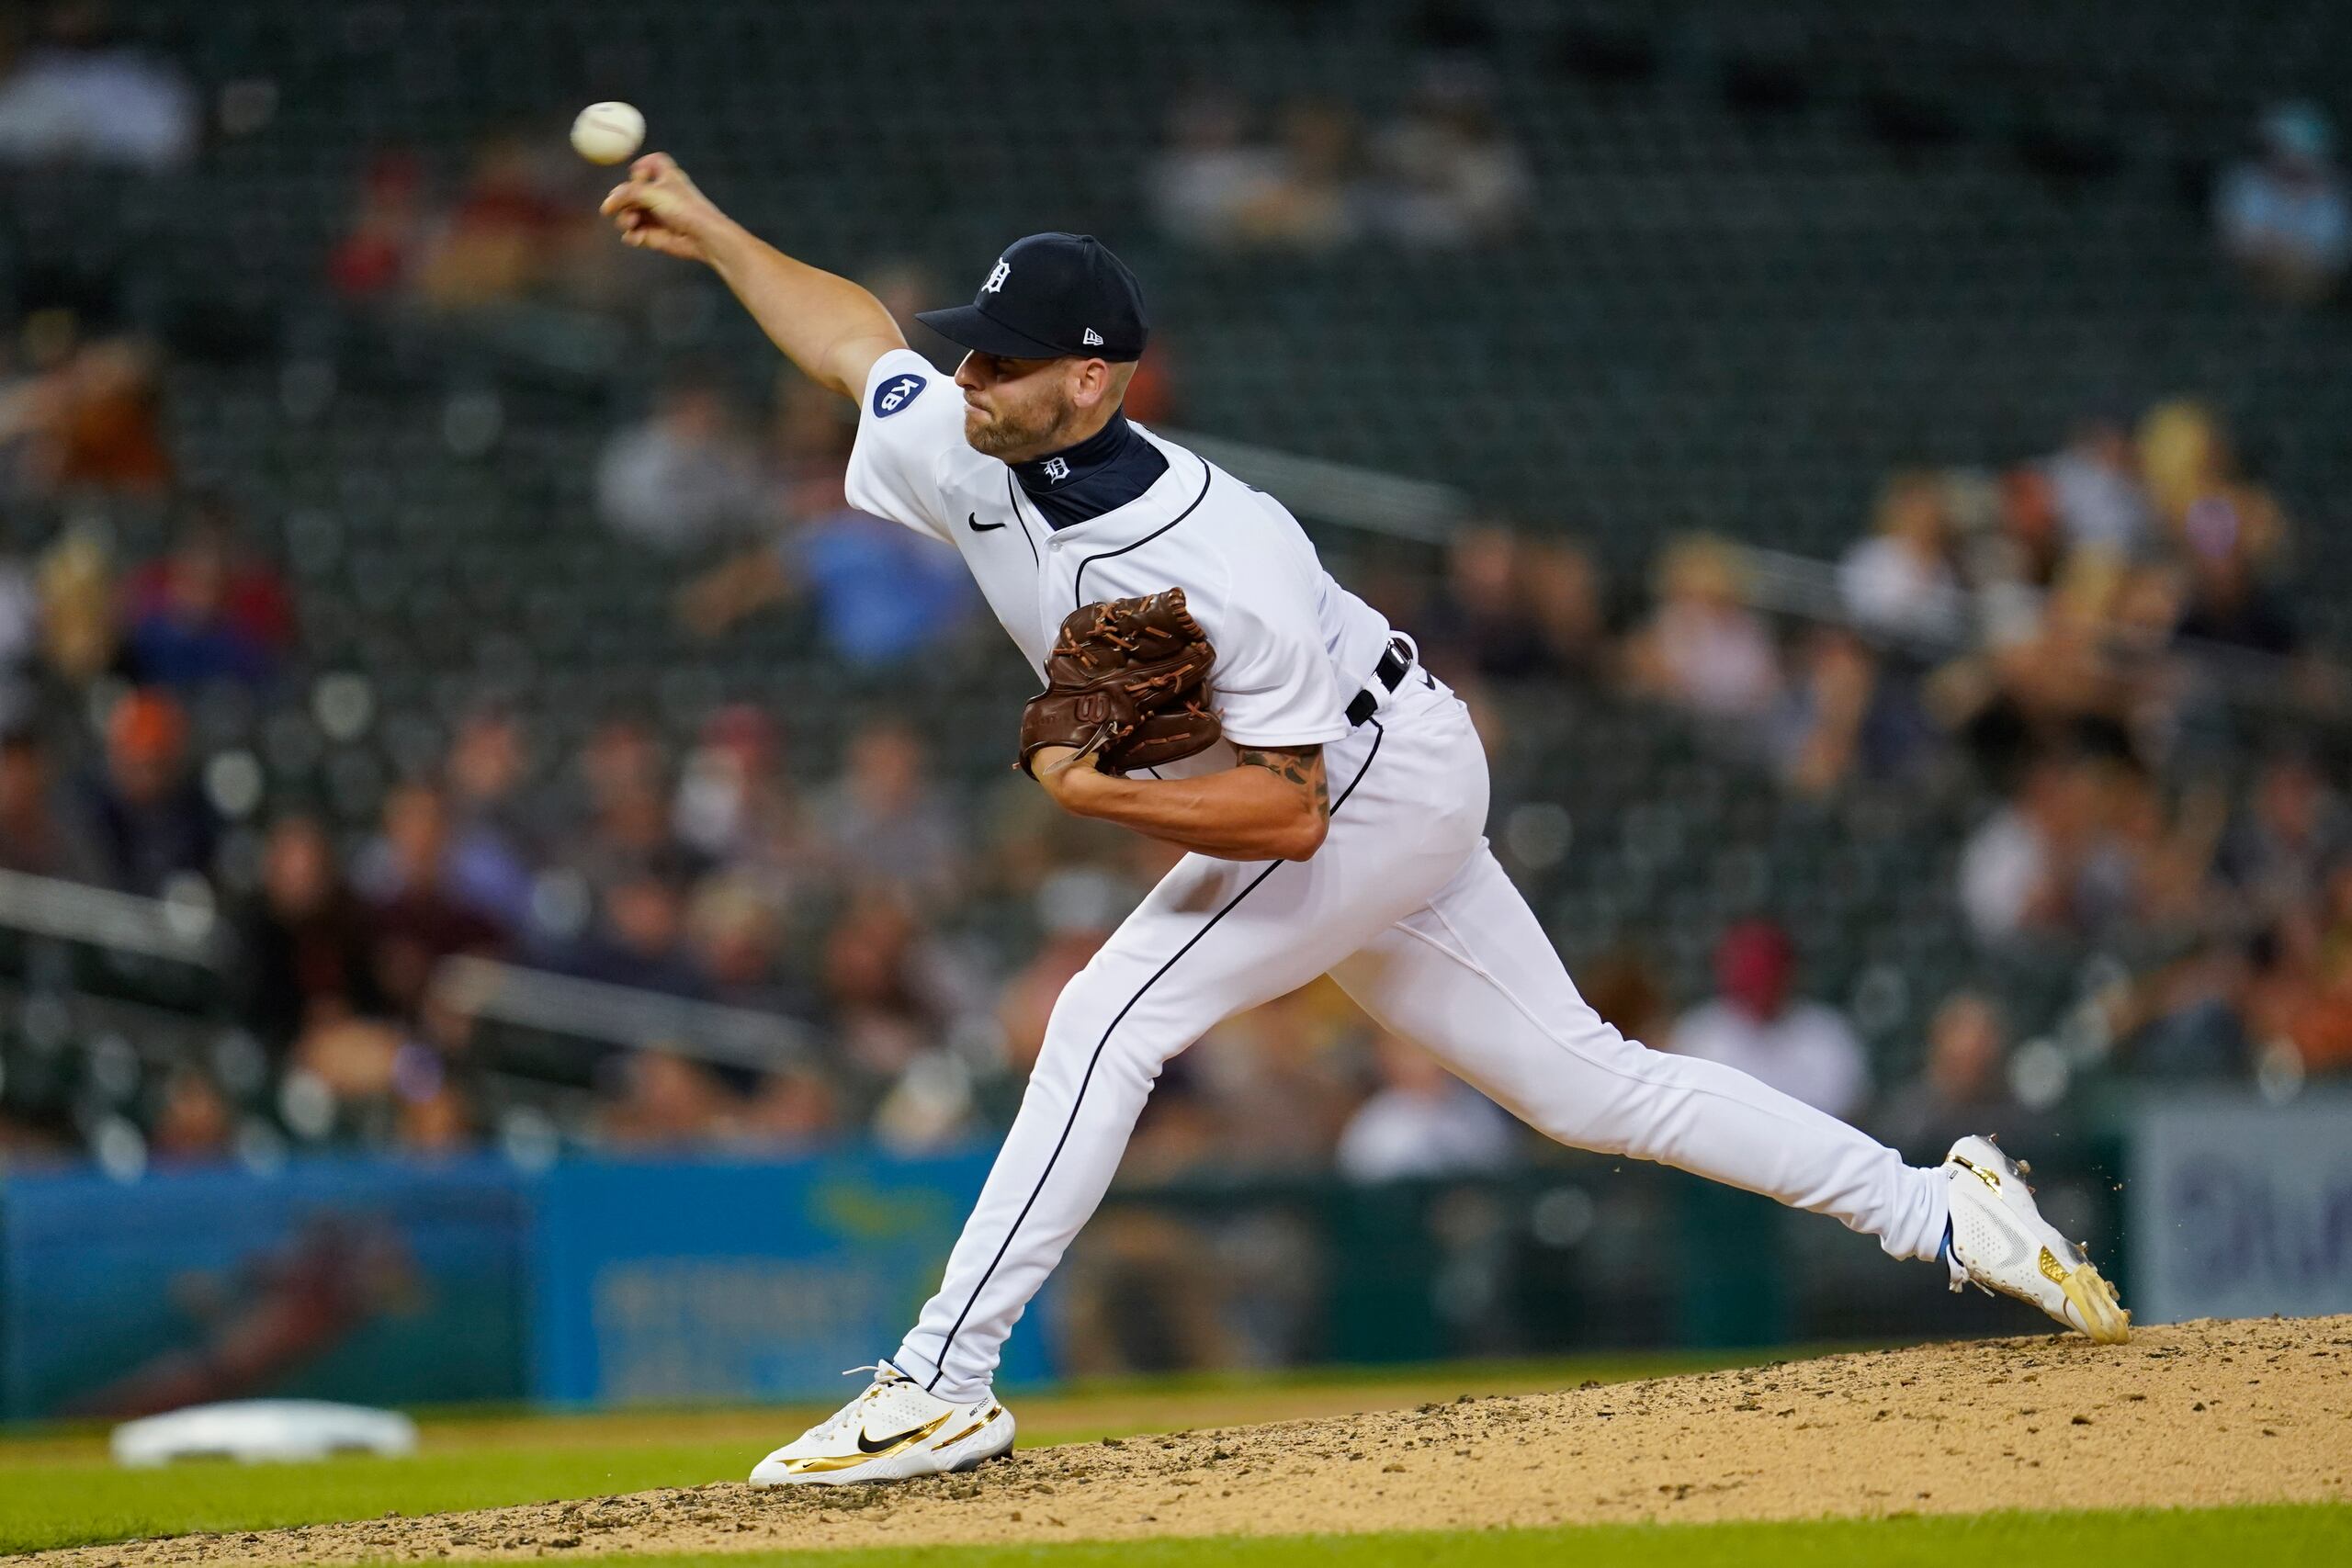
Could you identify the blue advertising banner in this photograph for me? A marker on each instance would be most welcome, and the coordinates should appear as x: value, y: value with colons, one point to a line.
x: 335, y: 1280
x: 733, y: 1281
x: 2241, y: 1209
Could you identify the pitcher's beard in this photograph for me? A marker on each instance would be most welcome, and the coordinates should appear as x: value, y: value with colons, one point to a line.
x: 1006, y: 435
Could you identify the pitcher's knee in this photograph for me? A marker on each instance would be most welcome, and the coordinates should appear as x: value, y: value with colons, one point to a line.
x: 1103, y: 1015
x: 1619, y: 1098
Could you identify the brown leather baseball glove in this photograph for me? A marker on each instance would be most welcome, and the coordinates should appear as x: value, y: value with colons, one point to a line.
x: 1126, y: 679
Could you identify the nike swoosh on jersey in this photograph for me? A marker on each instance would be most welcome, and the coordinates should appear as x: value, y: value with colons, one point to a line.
x: 972, y: 520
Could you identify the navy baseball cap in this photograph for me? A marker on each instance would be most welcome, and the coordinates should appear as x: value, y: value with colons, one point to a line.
x: 1048, y: 296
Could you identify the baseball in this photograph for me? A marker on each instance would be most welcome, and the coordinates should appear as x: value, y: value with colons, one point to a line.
x: 607, y: 133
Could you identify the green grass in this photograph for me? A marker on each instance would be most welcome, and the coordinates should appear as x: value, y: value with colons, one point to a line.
x: 58, y: 1488
x: 2275, y: 1536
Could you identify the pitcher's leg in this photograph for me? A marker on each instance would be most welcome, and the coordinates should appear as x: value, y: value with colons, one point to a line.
x: 1213, y: 938
x: 1474, y: 978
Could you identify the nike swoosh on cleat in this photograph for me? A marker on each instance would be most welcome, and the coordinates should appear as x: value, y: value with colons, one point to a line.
x: 972, y: 519
x: 873, y: 1445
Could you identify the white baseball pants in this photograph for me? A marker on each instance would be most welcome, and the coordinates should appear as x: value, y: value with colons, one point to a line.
x: 1405, y: 907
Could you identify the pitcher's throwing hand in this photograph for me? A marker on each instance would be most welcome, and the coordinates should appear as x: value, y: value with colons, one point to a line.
x: 659, y: 209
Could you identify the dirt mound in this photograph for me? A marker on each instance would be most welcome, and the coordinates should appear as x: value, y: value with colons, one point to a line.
x: 2198, y: 1412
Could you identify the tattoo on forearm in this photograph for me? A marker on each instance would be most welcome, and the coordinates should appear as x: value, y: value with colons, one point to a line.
x: 1300, y: 765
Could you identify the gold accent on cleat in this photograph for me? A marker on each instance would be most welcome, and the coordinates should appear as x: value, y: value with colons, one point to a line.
x: 951, y: 1442
x: 819, y: 1464
x: 2051, y: 1270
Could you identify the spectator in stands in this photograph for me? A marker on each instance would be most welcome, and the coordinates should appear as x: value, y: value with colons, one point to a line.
x: 790, y: 1113
x: 639, y: 938
x: 376, y: 255
x: 2284, y: 216
x: 2303, y: 993
x: 1623, y: 986
x: 662, y: 1100
x: 882, y: 594
x: 149, y: 819
x: 303, y: 956
x: 504, y: 240
x: 89, y: 421
x: 193, y: 1123
x: 2095, y: 489
x: 1962, y: 1088
x: 1701, y: 648
x: 627, y: 829
x: 2230, y: 604
x: 207, y: 611
x: 1077, y: 910
x: 734, y: 944
x: 2186, y: 459
x: 415, y: 918
x: 1305, y: 193
x: 884, y: 820
x: 493, y: 846
x: 1804, y: 1049
x: 1841, y: 715
x: 40, y: 833
x: 734, y: 804
x: 2077, y: 674
x: 1448, y: 175
x: 1211, y: 173
x: 78, y: 93
x: 684, y: 479
x: 2155, y: 875
x: 74, y: 583
x: 2293, y: 831
x: 1422, y: 1122
x: 432, y: 1116
x: 1513, y: 609
x: 2034, y: 868
x: 889, y: 990
x: 1281, y: 1081
x: 1899, y: 585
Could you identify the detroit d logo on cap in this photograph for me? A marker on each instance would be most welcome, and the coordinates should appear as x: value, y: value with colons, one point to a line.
x: 995, y: 285
x: 896, y: 394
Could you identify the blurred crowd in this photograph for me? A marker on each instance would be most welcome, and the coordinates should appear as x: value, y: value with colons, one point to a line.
x: 1309, y: 175
x: 1438, y: 169
x: 2077, y: 637
x: 2095, y: 644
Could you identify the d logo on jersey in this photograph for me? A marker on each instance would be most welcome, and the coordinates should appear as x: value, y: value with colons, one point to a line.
x: 896, y: 394
x: 1058, y: 468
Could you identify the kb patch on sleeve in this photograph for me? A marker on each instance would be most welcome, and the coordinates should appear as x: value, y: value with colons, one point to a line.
x: 896, y: 394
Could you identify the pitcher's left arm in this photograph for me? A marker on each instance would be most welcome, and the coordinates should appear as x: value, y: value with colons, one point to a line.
x: 1273, y: 803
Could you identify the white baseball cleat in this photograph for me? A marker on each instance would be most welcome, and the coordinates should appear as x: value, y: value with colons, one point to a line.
x: 1998, y: 1241
x: 892, y: 1431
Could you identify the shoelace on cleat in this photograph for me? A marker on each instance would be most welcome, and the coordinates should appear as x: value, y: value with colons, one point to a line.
x: 842, y: 1417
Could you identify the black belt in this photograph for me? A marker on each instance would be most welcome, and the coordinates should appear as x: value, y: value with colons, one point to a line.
x: 1390, y: 673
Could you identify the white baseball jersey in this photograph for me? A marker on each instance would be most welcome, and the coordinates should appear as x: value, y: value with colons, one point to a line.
x: 1404, y: 905
x: 1292, y: 647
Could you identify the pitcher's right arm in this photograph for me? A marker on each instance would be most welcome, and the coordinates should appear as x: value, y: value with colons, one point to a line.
x: 833, y: 329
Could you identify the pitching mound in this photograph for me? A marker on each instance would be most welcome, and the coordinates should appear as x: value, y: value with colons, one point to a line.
x: 2200, y: 1412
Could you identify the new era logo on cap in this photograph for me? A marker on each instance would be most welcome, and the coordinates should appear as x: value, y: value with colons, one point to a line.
x: 1093, y: 339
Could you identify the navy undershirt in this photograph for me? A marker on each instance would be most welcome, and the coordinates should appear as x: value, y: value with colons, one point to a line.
x: 1106, y: 470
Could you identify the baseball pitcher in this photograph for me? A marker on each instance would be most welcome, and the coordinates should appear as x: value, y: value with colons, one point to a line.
x: 1210, y: 685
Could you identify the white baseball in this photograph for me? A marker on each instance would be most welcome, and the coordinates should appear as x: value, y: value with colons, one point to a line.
x: 607, y: 133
